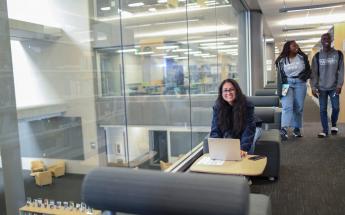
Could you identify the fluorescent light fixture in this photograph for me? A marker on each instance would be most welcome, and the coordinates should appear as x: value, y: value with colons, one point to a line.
x: 311, y: 7
x: 105, y: 8
x: 126, y: 50
x: 162, y: 1
x: 212, y: 44
x: 158, y: 55
x: 167, y: 47
x: 152, y: 9
x: 195, y: 52
x: 138, y: 4
x: 227, y: 50
x: 211, y: 40
x: 310, y: 27
x: 219, y: 47
x: 144, y: 53
x: 175, y: 22
x: 159, y: 13
x: 310, y: 20
x: 307, y: 46
x: 171, y: 56
x: 305, y: 33
x: 181, y: 50
x: 209, y: 56
x: 185, y: 31
x: 312, y: 40
x: 137, y: 26
x: 269, y: 40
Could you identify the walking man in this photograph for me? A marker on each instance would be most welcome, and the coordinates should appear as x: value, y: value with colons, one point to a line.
x: 326, y: 81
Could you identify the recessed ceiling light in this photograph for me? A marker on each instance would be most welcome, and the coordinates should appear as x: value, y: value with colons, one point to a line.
x: 152, y: 9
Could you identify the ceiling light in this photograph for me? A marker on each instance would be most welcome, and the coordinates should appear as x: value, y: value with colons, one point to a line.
x: 105, y: 8
x: 158, y: 55
x: 159, y: 13
x: 167, y: 47
x: 324, y: 19
x: 305, y: 33
x: 212, y: 44
x: 185, y: 31
x: 311, y: 7
x: 210, y: 40
x: 310, y: 27
x: 144, y: 53
x: 312, y: 40
x: 138, y: 4
x: 126, y: 50
x: 209, y: 56
x: 181, y: 50
x: 171, y: 56
x: 269, y: 40
x: 152, y: 9
x: 162, y: 1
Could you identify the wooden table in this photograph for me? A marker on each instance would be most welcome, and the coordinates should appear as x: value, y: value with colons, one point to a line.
x: 55, y: 211
x: 244, y: 167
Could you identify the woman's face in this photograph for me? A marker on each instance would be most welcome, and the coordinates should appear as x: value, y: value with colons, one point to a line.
x: 229, y: 92
x: 293, y: 47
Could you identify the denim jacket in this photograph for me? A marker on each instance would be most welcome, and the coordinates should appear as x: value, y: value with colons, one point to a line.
x: 247, y: 135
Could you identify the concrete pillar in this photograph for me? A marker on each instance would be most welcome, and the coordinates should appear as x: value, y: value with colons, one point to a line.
x: 243, y: 57
x: 9, y: 139
x: 256, y: 47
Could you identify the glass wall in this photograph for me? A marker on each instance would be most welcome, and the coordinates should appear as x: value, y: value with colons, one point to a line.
x: 119, y: 82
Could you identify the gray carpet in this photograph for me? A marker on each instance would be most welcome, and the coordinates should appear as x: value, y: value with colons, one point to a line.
x: 312, y: 177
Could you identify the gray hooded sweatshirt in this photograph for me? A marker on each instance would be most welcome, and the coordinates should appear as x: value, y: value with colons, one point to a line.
x: 328, y: 73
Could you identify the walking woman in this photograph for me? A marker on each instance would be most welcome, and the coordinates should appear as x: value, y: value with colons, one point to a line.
x: 293, y: 70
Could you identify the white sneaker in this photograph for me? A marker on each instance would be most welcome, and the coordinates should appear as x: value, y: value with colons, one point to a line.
x: 334, y: 130
x: 322, y: 135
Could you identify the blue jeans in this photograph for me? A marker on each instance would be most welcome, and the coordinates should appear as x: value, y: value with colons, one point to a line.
x: 293, y: 104
x: 323, y: 100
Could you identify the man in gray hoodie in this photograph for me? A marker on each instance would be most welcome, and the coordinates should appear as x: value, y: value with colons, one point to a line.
x: 326, y: 80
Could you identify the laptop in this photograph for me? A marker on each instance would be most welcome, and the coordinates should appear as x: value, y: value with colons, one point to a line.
x: 224, y: 149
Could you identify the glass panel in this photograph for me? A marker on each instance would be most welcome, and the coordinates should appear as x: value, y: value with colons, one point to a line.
x: 156, y: 78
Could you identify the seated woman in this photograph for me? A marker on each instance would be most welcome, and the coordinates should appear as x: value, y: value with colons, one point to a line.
x: 233, y: 116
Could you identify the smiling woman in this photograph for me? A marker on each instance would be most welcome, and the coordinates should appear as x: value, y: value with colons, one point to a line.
x: 233, y: 116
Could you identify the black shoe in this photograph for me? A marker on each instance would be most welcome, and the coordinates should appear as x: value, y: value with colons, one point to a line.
x: 283, y: 134
x: 297, y: 132
x: 322, y: 135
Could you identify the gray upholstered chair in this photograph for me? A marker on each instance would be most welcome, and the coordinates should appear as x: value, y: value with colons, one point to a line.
x: 154, y: 192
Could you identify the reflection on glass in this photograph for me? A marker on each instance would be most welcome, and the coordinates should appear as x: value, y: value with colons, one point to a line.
x: 120, y: 83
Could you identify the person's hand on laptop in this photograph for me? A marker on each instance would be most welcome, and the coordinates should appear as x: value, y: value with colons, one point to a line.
x: 243, y: 153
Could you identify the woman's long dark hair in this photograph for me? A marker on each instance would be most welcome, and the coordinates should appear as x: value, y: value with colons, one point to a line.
x: 232, y: 117
x: 286, y: 51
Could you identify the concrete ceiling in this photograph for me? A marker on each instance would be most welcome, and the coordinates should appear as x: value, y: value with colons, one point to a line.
x: 300, y: 25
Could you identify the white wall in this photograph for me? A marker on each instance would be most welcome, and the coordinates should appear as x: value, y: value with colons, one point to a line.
x: 61, y: 71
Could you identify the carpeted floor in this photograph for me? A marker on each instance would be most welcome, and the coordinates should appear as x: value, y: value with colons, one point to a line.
x: 312, y: 176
